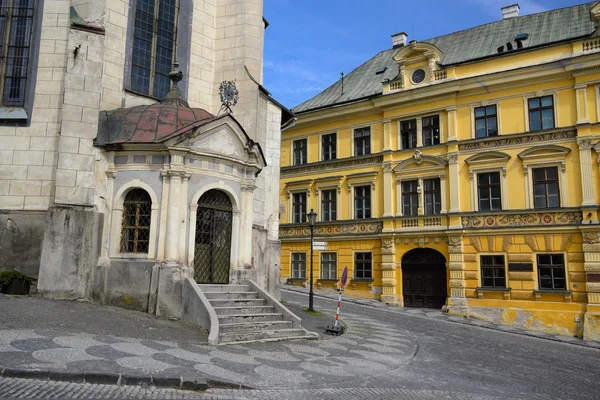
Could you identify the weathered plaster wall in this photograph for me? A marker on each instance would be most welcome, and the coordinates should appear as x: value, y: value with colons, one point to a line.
x: 21, y: 236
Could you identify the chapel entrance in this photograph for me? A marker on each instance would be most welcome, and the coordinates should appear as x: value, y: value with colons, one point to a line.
x: 212, y: 252
x: 424, y: 278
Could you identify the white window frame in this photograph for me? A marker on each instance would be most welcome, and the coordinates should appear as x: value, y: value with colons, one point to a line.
x: 338, y: 191
x: 117, y: 218
x: 354, y: 128
x: 540, y: 93
x: 498, y: 117
x: 337, y: 260
x: 337, y: 144
x: 362, y: 179
x: 421, y: 208
x: 292, y: 264
x: 562, y: 181
x: 419, y: 118
x: 474, y: 171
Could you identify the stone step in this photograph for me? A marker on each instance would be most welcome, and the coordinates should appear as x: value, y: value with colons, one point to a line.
x: 243, y: 309
x: 249, y: 318
x: 254, y: 326
x: 237, y: 302
x: 277, y: 334
x: 208, y: 287
x: 230, y: 295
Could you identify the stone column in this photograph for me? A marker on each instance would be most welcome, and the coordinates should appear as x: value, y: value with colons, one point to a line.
x: 585, y: 166
x: 451, y: 124
x: 591, y: 249
x: 581, y: 96
x: 173, y: 216
x: 387, y: 189
x: 454, y: 180
x: 419, y: 132
x: 457, y: 302
x: 388, y: 266
x: 247, y: 214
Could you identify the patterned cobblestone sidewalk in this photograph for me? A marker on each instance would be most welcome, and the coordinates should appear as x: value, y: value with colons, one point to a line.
x: 428, y: 313
x: 25, y: 388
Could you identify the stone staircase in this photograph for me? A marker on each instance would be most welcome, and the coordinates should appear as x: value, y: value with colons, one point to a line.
x: 247, y: 314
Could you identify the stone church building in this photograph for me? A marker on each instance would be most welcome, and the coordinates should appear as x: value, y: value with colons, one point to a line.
x: 120, y: 172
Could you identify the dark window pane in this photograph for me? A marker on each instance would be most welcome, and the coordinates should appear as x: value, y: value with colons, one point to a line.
x: 490, y: 110
x: 534, y: 103
x: 546, y: 101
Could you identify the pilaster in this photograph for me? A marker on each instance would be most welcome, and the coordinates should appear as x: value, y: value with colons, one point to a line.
x: 591, y: 249
x: 451, y: 124
x: 585, y: 165
x: 419, y: 132
x: 457, y: 302
x: 454, y: 180
x: 388, y: 266
x: 387, y: 136
x: 174, y: 216
x: 247, y: 213
x: 387, y: 190
x: 581, y: 97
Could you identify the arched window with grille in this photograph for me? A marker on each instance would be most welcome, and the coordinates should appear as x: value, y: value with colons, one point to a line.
x: 154, y: 42
x: 135, y: 227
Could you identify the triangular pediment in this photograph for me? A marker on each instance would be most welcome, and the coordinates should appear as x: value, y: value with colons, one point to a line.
x: 223, y: 137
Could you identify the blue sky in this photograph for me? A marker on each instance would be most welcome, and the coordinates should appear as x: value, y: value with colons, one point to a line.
x: 308, y: 42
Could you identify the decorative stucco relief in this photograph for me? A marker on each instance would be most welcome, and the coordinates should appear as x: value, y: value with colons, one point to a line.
x: 518, y: 140
x: 524, y: 219
x: 340, y: 229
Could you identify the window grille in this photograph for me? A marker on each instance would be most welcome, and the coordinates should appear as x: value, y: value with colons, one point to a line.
x: 135, y: 228
x: 154, y: 41
x: 16, y: 23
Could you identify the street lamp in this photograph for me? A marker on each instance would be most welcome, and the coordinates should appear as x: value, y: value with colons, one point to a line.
x: 312, y: 219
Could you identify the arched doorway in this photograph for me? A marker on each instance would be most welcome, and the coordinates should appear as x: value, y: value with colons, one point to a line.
x: 212, y: 252
x: 424, y: 278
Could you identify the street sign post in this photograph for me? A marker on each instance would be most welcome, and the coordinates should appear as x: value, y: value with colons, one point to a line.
x: 336, y: 329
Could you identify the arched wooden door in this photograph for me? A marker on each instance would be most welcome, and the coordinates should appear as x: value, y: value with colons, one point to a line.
x: 212, y: 252
x: 424, y: 279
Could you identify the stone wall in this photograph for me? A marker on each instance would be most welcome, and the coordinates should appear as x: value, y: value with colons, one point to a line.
x: 21, y: 235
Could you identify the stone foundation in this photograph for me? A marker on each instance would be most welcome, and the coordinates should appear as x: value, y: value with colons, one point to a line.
x: 21, y: 237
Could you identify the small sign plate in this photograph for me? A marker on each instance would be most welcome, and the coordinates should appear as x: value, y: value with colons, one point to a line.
x: 319, y: 243
x: 345, y: 276
x: 320, y: 248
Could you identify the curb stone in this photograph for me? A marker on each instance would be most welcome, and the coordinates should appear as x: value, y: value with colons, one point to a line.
x: 173, y: 382
x: 456, y: 319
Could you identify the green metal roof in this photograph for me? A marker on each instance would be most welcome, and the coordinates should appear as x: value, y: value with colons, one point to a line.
x: 459, y: 47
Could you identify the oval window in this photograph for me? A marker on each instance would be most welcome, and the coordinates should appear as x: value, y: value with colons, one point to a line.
x: 418, y: 76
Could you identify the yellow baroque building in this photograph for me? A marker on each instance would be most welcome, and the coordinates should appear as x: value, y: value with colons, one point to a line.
x: 458, y: 172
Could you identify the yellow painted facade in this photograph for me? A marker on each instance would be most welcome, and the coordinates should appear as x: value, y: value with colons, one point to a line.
x: 520, y: 232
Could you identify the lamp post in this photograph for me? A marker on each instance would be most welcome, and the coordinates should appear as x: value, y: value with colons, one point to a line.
x: 312, y: 219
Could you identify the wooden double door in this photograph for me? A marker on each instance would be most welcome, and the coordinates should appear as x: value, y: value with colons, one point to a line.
x: 424, y: 282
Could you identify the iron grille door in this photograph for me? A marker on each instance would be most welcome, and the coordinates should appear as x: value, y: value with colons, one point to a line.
x: 213, y: 238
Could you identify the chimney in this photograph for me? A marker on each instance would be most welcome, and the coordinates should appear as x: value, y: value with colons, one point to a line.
x: 399, y: 40
x: 510, y: 11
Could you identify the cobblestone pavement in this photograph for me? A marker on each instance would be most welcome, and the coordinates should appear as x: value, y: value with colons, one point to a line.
x: 428, y: 313
x: 385, y: 353
x: 31, y: 389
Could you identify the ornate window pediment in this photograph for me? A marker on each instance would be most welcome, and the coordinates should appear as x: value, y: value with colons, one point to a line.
x: 417, y: 63
x: 224, y: 138
x: 329, y: 182
x: 545, y: 151
x: 488, y: 157
x: 421, y: 162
